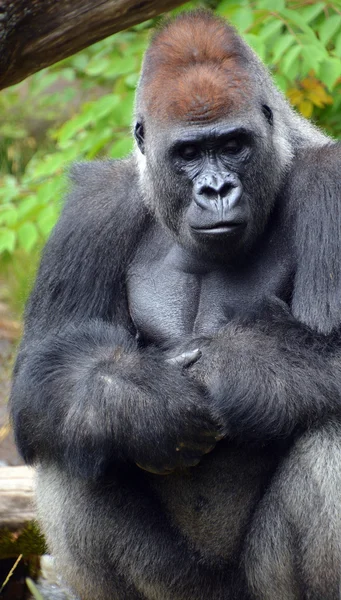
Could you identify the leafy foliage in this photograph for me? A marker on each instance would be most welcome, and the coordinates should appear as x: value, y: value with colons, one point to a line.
x: 28, y: 542
x: 81, y: 108
x: 300, y: 40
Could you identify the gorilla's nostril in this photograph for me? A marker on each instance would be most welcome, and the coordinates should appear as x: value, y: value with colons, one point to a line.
x: 209, y: 192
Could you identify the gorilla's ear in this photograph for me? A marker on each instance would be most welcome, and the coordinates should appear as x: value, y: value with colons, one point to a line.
x: 139, y: 135
x: 267, y: 112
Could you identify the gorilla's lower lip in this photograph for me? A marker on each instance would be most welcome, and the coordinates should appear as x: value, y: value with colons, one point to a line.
x: 220, y: 228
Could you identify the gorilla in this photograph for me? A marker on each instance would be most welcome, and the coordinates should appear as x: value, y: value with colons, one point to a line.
x: 178, y: 386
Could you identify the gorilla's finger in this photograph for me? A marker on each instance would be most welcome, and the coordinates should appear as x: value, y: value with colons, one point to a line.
x: 155, y: 470
x: 185, y: 359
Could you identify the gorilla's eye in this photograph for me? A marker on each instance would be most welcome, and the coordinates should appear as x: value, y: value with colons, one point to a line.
x: 188, y: 152
x: 233, y: 146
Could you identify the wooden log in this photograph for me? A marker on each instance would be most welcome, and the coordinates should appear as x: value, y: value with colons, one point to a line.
x: 37, y: 33
x: 16, y: 497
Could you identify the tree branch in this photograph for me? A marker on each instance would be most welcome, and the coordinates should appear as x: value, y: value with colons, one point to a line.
x: 37, y: 33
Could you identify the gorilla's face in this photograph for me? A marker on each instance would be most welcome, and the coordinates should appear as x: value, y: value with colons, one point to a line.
x: 213, y: 186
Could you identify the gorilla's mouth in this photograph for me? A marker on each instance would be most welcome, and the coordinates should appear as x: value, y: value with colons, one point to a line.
x: 220, y: 228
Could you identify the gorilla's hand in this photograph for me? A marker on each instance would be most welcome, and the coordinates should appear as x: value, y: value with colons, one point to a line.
x: 187, y: 356
x: 185, y: 359
x: 251, y: 369
x: 175, y: 429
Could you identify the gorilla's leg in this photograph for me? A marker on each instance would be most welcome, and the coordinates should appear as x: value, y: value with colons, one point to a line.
x: 73, y: 521
x: 113, y: 541
x: 293, y: 550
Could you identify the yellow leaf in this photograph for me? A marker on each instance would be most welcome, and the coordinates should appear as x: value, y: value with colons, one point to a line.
x: 306, y: 108
x: 316, y: 91
x: 322, y: 94
x: 295, y: 96
x: 313, y: 97
x: 309, y: 83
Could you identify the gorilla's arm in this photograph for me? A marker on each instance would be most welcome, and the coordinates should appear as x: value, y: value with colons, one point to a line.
x: 84, y: 394
x: 269, y: 374
x: 87, y: 398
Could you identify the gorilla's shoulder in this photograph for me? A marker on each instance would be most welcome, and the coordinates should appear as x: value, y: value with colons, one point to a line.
x: 103, y: 205
x: 97, y: 174
x: 320, y: 161
x: 100, y: 186
x: 314, y: 183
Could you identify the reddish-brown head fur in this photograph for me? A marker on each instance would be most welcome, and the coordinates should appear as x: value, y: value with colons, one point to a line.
x: 195, y: 70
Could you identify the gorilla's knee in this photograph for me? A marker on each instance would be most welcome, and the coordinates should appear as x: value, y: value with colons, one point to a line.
x: 293, y: 549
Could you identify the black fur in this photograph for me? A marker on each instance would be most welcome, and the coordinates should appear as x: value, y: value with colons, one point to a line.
x: 166, y: 478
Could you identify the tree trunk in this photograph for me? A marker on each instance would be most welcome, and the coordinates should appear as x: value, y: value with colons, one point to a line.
x: 16, y: 497
x: 37, y: 33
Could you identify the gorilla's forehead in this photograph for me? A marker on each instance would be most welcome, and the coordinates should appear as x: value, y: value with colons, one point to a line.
x: 201, y: 93
x: 196, y: 71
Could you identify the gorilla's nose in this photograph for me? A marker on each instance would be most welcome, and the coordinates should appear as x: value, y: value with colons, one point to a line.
x: 213, y: 187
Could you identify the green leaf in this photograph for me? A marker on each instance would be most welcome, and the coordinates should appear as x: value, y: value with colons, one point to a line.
x: 94, y: 143
x: 330, y: 71
x: 49, y: 165
x: 80, y: 61
x: 131, y: 80
x: 8, y: 214
x: 26, y: 205
x: 50, y: 190
x: 47, y: 219
x: 282, y: 44
x: 121, y: 148
x: 309, y: 13
x: 33, y: 589
x: 281, y: 81
x: 105, y: 105
x: 242, y: 18
x: 7, y: 240
x: 338, y: 45
x: 273, y: 27
x: 226, y: 7
x: 294, y: 17
x: 328, y: 28
x: 27, y: 236
x: 92, y: 112
x: 256, y: 43
x: 9, y: 188
x: 71, y: 127
x: 290, y: 58
x: 46, y: 79
x: 121, y: 65
x: 97, y: 66
x: 313, y: 55
x: 124, y: 109
x: 68, y: 74
x: 271, y: 5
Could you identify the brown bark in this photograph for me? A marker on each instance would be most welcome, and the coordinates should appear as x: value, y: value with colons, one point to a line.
x: 37, y: 33
x: 16, y: 496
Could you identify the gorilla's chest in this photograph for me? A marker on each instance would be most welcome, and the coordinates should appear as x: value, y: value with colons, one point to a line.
x: 167, y: 304
x: 171, y: 296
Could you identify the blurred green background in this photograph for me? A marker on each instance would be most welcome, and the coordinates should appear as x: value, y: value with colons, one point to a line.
x: 81, y: 109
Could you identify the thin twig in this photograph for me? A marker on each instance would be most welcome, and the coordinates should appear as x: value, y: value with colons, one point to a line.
x: 11, y: 572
